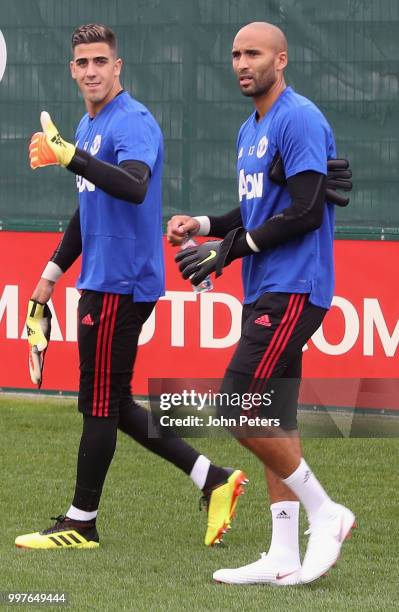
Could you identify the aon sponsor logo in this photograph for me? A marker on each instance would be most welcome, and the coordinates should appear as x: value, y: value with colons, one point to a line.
x: 250, y: 185
x: 83, y: 184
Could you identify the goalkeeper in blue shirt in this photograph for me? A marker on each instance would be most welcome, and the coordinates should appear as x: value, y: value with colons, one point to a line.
x: 283, y: 230
x: 117, y: 160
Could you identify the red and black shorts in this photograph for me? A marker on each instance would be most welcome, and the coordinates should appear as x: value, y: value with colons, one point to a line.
x: 268, y: 358
x: 108, y: 331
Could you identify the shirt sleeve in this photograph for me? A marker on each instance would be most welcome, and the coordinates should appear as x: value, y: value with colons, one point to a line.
x: 238, y: 140
x: 302, y: 141
x: 137, y: 137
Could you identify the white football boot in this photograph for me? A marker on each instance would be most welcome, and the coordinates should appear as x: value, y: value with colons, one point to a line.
x: 328, y: 530
x: 263, y: 571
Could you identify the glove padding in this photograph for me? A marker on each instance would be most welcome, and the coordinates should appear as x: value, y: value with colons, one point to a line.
x: 197, y: 262
x: 338, y: 177
x: 38, y: 327
x: 47, y: 148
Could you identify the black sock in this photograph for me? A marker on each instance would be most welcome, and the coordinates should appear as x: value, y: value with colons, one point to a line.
x: 133, y: 420
x: 216, y: 476
x: 96, y: 450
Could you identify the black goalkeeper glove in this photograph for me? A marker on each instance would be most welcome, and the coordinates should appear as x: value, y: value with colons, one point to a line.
x: 339, y: 176
x: 197, y: 262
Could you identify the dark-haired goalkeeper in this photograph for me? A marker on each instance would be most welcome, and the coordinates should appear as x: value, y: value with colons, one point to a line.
x: 118, y: 229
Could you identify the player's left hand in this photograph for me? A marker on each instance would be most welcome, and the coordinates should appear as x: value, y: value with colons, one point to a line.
x: 38, y: 326
x: 197, y: 262
x: 339, y: 176
x: 47, y: 148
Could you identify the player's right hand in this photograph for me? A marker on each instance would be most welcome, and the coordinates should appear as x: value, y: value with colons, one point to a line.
x: 38, y: 327
x: 179, y: 227
x: 43, y: 291
x: 47, y: 148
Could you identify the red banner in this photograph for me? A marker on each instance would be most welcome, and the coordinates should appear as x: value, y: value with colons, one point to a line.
x: 194, y: 336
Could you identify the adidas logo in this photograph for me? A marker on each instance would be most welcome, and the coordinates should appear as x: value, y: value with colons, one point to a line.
x: 283, y: 515
x: 264, y: 320
x: 87, y: 320
x: 57, y: 140
x: 307, y: 476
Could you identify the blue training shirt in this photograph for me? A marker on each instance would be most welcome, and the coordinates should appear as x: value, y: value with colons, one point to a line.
x: 122, y: 249
x: 296, y: 128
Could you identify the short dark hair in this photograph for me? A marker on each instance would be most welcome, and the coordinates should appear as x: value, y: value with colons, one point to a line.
x: 92, y: 33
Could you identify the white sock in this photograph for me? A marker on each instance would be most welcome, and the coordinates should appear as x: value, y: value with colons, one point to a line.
x: 307, y: 488
x: 284, y: 547
x: 200, y: 471
x: 80, y: 515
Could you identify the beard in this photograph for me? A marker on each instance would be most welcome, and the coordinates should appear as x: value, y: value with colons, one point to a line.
x: 261, y: 86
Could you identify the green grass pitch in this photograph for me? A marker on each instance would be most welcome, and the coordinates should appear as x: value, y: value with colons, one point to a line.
x: 152, y: 556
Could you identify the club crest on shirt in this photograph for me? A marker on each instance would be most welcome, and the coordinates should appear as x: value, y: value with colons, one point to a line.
x: 262, y: 147
x: 95, y: 147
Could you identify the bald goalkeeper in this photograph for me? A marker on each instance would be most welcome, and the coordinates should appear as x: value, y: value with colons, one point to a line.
x: 283, y: 230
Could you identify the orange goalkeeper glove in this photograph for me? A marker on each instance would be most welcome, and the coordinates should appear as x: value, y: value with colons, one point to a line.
x: 47, y: 148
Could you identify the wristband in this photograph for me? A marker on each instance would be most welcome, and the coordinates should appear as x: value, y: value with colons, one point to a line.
x: 205, y: 226
x: 52, y: 272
